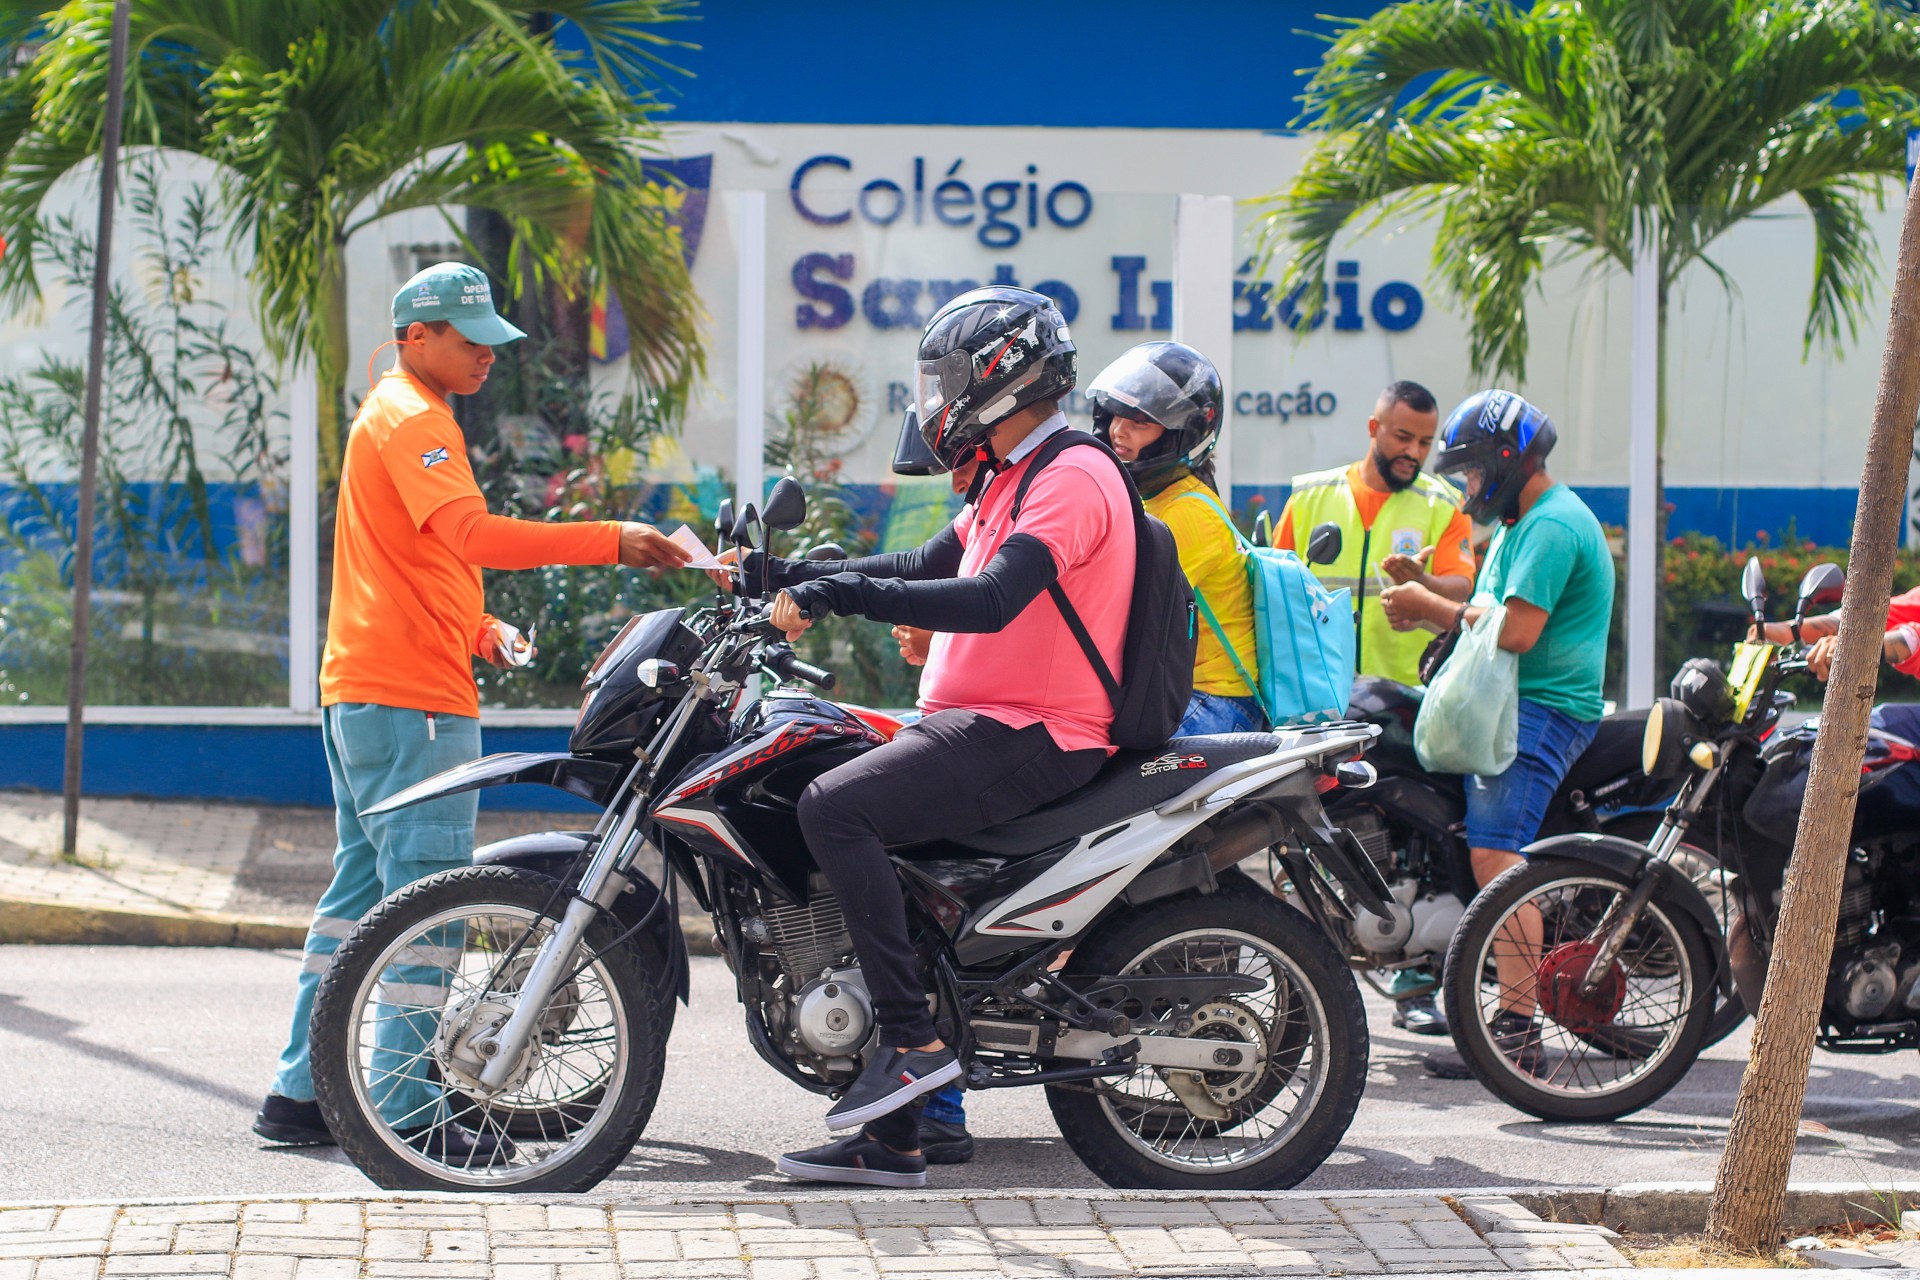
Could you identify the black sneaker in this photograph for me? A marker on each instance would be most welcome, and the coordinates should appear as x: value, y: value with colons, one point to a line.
x: 892, y: 1079
x: 1420, y: 1015
x: 943, y: 1142
x: 856, y: 1158
x: 453, y: 1144
x: 1516, y: 1037
x: 292, y: 1124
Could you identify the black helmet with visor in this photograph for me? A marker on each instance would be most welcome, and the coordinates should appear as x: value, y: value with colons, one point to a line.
x: 1171, y: 384
x: 986, y: 354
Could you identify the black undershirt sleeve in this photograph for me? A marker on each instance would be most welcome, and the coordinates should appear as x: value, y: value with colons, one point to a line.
x: 1020, y: 570
x: 938, y: 557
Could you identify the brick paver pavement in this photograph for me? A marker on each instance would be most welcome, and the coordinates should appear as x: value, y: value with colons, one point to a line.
x: 1014, y: 1237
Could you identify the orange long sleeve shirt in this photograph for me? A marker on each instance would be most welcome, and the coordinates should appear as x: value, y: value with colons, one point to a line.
x: 410, y: 538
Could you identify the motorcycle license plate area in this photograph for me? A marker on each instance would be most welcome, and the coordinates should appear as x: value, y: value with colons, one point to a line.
x: 1750, y: 663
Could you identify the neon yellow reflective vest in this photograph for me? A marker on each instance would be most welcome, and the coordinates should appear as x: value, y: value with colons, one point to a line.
x: 1415, y: 517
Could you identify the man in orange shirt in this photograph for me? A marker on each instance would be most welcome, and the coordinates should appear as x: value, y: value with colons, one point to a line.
x: 396, y: 685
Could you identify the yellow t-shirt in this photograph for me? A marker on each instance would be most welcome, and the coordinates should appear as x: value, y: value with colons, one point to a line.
x: 1217, y: 569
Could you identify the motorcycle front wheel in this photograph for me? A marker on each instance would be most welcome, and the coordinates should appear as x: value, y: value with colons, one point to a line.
x: 1263, y: 1128
x: 400, y: 1032
x: 1533, y: 1025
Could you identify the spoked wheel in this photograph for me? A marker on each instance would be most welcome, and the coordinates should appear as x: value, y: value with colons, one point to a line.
x: 1547, y: 1022
x: 402, y: 1031
x: 1697, y: 860
x: 1266, y: 1125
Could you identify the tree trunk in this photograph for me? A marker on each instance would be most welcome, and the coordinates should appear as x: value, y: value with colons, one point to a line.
x: 1750, y: 1188
x: 330, y: 363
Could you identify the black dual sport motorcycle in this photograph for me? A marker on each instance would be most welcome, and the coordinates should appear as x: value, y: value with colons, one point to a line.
x: 1202, y: 1034
x: 1582, y: 985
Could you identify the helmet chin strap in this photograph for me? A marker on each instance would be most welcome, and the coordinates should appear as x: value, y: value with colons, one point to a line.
x: 989, y: 467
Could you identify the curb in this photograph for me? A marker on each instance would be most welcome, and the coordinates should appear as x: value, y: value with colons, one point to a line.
x: 34, y: 920
x: 43, y: 922
x: 1681, y: 1208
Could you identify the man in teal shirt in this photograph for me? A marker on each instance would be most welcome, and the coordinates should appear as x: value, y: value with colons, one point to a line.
x: 1549, y: 565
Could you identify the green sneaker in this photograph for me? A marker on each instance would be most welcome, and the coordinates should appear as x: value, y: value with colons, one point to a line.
x: 1407, y: 981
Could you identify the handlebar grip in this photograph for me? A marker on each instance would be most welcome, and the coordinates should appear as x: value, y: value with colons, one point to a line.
x: 786, y: 665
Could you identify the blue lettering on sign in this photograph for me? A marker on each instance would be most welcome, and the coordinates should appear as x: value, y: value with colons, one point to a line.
x: 1286, y: 405
x: 823, y: 281
x: 999, y: 212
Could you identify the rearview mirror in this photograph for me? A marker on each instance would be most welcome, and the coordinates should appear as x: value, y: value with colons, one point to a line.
x: 1263, y: 529
x: 1753, y: 585
x: 1822, y: 587
x: 827, y: 551
x: 786, y: 505
x: 723, y: 519
x: 747, y: 530
x: 1324, y: 545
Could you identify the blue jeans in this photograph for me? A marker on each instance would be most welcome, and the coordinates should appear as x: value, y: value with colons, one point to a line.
x: 1504, y: 812
x: 372, y: 752
x: 1216, y: 713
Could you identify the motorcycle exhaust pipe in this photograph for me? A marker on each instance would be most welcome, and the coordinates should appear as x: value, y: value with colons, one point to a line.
x: 1241, y: 834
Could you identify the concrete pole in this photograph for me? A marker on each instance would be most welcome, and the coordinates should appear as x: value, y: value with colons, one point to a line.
x: 750, y: 375
x: 303, y: 541
x: 90, y: 429
x: 1643, y: 552
x: 1203, y: 303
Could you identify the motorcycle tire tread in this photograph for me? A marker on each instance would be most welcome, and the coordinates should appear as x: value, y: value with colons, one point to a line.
x: 1489, y: 1067
x: 1080, y: 1115
x: 469, y: 886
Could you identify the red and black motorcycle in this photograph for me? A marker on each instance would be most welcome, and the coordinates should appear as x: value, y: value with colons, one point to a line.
x: 1201, y: 1035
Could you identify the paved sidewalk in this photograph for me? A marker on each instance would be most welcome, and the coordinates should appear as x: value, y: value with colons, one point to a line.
x: 882, y: 1237
x: 183, y: 873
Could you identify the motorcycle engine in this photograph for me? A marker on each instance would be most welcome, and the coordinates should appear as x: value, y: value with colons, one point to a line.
x: 811, y: 994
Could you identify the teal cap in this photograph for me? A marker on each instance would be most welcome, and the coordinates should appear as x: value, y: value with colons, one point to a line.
x: 457, y: 292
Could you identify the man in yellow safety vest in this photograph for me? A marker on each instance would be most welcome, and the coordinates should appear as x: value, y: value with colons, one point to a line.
x: 1397, y: 524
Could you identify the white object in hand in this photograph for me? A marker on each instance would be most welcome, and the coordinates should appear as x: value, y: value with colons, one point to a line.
x: 689, y: 541
x: 515, y: 649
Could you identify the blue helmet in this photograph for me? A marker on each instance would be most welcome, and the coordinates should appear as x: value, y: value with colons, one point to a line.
x: 1495, y: 442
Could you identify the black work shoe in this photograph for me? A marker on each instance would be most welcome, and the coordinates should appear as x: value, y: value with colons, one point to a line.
x: 454, y: 1144
x: 1517, y: 1038
x: 943, y: 1142
x: 292, y: 1124
x: 856, y: 1158
x: 1446, y: 1065
x: 1420, y: 1015
x: 892, y: 1079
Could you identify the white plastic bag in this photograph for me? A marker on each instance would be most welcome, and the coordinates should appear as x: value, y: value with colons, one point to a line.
x: 1469, y: 722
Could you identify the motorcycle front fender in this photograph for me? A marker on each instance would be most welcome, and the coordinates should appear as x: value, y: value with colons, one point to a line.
x: 558, y: 855
x: 1632, y: 861
x: 592, y: 780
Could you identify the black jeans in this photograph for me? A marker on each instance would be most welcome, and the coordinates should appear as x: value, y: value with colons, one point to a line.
x: 952, y: 773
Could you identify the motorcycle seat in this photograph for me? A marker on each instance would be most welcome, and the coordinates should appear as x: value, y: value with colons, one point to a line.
x: 1615, y: 751
x: 1128, y: 783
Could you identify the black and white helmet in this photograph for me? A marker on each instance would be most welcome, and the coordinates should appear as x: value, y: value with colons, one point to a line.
x: 1169, y: 383
x: 984, y: 355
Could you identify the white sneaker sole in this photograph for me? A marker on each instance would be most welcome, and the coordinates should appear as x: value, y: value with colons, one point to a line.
x: 894, y: 1101
x: 841, y: 1173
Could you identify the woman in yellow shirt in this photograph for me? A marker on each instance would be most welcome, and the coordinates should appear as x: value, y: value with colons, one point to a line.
x: 1160, y: 407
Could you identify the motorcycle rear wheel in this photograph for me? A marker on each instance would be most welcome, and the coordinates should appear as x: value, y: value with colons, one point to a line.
x: 1307, y: 1025
x: 388, y: 1022
x: 1585, y: 1057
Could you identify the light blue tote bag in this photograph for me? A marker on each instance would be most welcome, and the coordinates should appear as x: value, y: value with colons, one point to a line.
x: 1303, y: 635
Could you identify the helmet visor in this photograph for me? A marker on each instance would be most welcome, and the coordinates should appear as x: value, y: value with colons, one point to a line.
x: 1135, y: 387
x: 937, y: 383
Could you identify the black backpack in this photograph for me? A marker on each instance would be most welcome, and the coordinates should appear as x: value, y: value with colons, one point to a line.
x: 1160, y: 636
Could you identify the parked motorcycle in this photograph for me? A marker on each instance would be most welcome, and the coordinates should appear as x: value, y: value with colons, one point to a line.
x: 1581, y: 985
x: 1202, y: 1035
x: 1412, y: 824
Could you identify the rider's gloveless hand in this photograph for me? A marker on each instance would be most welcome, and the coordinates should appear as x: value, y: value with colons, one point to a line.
x: 788, y: 616
x: 644, y: 547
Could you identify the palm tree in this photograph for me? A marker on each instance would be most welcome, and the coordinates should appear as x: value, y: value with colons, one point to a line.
x: 1543, y: 131
x: 329, y: 115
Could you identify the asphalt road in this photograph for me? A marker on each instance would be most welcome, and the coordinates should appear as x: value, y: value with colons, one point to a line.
x: 134, y: 1073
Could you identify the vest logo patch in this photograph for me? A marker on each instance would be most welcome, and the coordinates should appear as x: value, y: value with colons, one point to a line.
x: 1406, y: 542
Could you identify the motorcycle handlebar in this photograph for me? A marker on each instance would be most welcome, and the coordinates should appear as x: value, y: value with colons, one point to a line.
x: 783, y: 663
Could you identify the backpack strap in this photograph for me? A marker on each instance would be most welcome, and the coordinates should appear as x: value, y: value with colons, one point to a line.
x: 1240, y: 539
x: 1220, y: 634
x: 1055, y: 445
